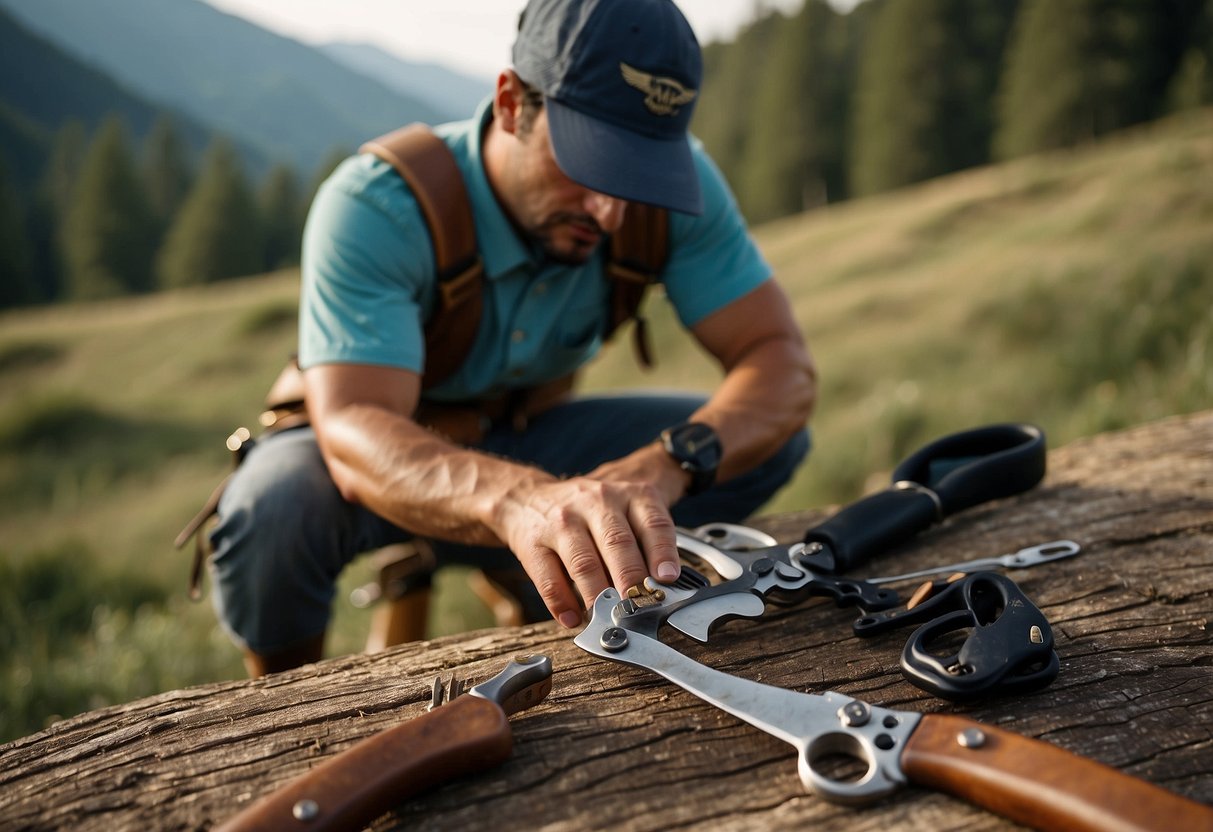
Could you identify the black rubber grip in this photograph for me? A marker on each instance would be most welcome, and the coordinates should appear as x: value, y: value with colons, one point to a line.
x: 950, y: 474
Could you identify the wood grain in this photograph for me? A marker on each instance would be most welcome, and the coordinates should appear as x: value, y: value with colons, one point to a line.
x: 613, y: 747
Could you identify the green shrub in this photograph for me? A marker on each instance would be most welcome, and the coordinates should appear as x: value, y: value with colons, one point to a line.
x: 25, y: 355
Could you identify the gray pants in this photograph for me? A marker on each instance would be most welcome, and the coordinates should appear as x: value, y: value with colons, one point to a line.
x: 285, y: 533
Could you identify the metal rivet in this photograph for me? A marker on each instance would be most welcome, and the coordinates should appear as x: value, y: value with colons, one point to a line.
x: 1036, y: 635
x: 788, y: 573
x: 854, y: 714
x: 971, y: 738
x: 762, y: 566
x: 305, y: 810
x: 613, y: 639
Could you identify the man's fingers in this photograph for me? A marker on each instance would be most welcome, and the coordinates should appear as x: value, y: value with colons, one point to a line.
x: 547, y: 573
x: 655, y: 531
x: 594, y: 536
x: 621, y: 551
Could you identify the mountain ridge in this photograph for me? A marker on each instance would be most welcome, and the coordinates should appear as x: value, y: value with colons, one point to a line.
x: 288, y: 100
x: 438, y: 85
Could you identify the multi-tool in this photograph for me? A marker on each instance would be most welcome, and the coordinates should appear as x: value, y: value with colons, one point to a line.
x: 1023, y: 779
x: 1009, y: 644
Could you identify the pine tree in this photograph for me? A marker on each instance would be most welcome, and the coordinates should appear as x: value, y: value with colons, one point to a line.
x: 217, y: 233
x: 1192, y: 85
x: 17, y: 285
x: 1078, y: 69
x: 732, y: 74
x: 167, y: 173
x: 108, y: 234
x: 926, y: 84
x: 48, y: 210
x: 281, y: 217
x: 795, y: 159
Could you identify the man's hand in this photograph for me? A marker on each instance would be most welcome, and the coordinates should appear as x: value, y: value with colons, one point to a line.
x: 578, y: 536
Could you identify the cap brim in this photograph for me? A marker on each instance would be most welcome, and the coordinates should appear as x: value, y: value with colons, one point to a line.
x: 624, y: 164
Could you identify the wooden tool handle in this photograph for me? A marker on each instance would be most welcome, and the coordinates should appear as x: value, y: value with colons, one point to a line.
x: 1038, y: 784
x: 353, y: 788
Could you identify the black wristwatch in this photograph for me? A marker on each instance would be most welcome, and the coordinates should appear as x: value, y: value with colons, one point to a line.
x: 696, y: 448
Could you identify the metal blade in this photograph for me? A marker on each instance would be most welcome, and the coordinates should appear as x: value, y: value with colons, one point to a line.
x: 1031, y: 556
x: 697, y: 620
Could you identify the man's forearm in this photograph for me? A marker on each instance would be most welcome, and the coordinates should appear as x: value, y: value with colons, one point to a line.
x: 417, y: 479
x: 763, y: 400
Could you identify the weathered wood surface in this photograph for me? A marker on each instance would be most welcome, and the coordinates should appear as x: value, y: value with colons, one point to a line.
x: 614, y: 747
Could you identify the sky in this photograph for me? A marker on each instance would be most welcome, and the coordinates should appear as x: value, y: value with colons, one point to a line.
x: 472, y: 36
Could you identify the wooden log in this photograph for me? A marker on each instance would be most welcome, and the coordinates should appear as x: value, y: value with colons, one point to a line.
x: 615, y: 747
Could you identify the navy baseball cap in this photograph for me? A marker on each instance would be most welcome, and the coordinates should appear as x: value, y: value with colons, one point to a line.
x: 620, y: 79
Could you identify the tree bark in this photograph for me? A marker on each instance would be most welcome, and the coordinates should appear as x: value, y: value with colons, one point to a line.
x: 615, y: 747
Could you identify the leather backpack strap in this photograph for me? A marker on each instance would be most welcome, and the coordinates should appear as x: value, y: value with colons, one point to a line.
x: 637, y: 255
x: 429, y: 168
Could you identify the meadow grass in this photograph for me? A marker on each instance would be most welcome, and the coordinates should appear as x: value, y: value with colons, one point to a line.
x: 1072, y: 290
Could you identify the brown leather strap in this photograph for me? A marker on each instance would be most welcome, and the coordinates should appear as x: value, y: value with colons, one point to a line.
x: 425, y: 162
x: 466, y: 422
x: 638, y: 253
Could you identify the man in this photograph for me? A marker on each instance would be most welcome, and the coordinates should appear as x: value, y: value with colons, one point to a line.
x: 592, y: 117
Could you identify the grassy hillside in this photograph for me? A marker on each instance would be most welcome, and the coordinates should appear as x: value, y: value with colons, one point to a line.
x: 1071, y: 290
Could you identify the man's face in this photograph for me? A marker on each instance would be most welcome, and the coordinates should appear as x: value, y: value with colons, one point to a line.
x: 566, y: 219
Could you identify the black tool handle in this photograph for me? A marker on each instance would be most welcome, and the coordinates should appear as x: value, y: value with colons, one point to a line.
x: 1007, y: 647
x: 944, y: 477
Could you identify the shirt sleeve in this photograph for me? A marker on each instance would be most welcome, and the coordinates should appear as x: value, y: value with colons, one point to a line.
x: 365, y: 272
x: 713, y: 259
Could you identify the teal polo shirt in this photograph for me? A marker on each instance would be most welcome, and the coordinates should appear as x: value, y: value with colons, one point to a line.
x: 368, y: 276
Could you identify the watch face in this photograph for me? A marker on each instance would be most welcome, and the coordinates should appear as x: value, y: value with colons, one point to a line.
x: 696, y: 444
x: 696, y: 436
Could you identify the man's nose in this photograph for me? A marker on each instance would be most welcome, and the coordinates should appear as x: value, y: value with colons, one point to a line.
x: 607, y: 210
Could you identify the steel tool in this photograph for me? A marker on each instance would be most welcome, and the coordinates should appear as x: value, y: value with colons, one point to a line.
x: 731, y: 537
x: 943, y: 477
x: 1026, y: 780
x: 466, y: 734
x: 1008, y: 647
x: 1031, y: 556
x: 750, y: 577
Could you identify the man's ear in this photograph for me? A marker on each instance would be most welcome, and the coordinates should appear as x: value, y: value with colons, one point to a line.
x: 507, y: 101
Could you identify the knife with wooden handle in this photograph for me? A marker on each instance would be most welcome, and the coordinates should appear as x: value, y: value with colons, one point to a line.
x: 1026, y: 780
x: 469, y: 734
x: 1037, y: 783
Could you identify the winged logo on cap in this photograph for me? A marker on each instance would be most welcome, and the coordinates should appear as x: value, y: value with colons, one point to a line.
x: 665, y: 95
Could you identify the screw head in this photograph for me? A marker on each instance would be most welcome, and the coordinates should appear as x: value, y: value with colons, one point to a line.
x: 971, y: 738
x: 306, y: 810
x: 613, y: 639
x: 855, y: 713
x: 788, y: 573
x: 762, y: 566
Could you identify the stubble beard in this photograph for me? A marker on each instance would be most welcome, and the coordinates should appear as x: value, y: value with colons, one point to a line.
x: 579, y: 252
